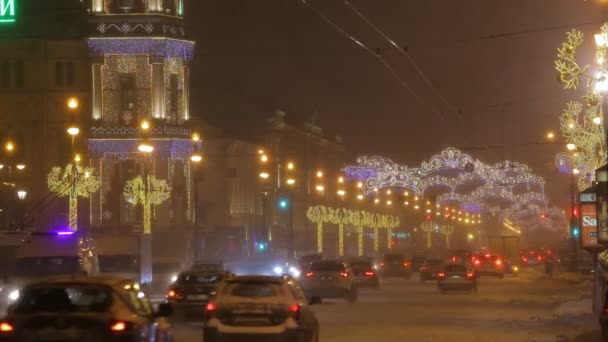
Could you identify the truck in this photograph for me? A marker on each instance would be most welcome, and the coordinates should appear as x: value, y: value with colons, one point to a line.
x: 124, y: 255
x: 506, y: 247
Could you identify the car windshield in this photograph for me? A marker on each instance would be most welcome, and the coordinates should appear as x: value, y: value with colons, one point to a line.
x: 393, y: 257
x: 46, y: 266
x: 455, y: 268
x: 251, y: 289
x: 68, y: 298
x: 118, y: 264
x: 327, y: 267
x: 191, y: 278
x: 360, y: 265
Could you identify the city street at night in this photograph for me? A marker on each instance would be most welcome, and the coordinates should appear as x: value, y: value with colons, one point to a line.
x: 525, y: 308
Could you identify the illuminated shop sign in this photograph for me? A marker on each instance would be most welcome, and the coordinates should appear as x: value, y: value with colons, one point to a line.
x: 7, y: 11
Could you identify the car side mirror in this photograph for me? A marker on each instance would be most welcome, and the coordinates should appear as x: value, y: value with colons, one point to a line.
x: 164, y: 310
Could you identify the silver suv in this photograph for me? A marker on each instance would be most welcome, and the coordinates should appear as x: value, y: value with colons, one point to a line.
x: 329, y: 279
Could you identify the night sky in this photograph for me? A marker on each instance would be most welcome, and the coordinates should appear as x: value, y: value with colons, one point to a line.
x: 491, y: 63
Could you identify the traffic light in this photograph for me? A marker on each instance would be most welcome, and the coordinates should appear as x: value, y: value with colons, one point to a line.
x: 261, y: 246
x: 575, y: 232
x: 283, y: 203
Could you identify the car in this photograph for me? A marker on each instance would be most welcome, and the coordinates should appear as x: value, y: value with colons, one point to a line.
x: 192, y: 290
x: 430, y: 268
x: 364, y: 273
x: 510, y: 268
x: 329, y: 279
x: 260, y: 307
x: 82, y: 308
x: 456, y: 276
x: 531, y: 258
x: 395, y: 265
x: 417, y: 261
x: 489, y: 265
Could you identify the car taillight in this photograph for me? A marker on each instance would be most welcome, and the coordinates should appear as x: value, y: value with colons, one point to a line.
x: 381, y: 264
x: 540, y: 258
x: 606, y: 310
x: 171, y: 294
x: 211, y: 307
x: 310, y: 274
x: 477, y: 262
x: 6, y: 327
x: 369, y: 274
x: 470, y: 275
x: 294, y: 311
x: 406, y: 264
x: 424, y: 268
x: 498, y: 262
x: 118, y: 326
x: 344, y: 274
x: 440, y: 275
x: 453, y: 258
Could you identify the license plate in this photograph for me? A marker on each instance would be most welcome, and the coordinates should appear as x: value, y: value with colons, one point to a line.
x: 251, y: 310
x: 327, y: 278
x: 55, y: 334
x: 198, y: 297
x: 250, y: 320
x: 456, y: 277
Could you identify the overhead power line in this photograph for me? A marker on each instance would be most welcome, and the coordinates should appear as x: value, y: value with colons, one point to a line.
x: 377, y: 55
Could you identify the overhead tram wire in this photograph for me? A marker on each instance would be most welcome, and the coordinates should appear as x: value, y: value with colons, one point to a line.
x: 407, y: 55
x: 378, y: 56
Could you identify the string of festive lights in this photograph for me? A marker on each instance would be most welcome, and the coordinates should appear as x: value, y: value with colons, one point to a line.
x: 150, y: 192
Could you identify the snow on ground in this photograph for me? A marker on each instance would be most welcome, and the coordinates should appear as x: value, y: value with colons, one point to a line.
x: 528, y: 308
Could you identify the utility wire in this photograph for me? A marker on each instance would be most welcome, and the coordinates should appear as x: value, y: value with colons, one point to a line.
x: 377, y: 55
x: 407, y: 55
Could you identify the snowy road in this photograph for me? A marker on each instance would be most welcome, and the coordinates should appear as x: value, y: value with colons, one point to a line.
x: 512, y: 309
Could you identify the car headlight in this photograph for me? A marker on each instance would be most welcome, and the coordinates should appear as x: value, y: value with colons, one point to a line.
x: 13, y: 295
x: 515, y: 268
x: 278, y: 270
x: 294, y: 272
x: 174, y: 278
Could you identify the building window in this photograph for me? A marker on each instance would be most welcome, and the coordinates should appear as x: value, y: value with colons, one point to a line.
x: 69, y: 74
x: 18, y: 74
x: 6, y: 74
x: 59, y: 74
x: 169, y: 6
x: 174, y: 93
x: 128, y: 94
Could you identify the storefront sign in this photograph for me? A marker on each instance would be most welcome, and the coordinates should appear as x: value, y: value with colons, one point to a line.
x: 588, y: 224
x: 7, y: 11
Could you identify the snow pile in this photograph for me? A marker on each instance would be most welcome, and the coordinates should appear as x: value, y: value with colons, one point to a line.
x: 574, y: 308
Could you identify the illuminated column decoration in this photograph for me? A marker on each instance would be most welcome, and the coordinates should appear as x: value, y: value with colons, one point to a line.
x: 582, y: 125
x: 73, y: 181
x: 155, y: 192
x: 186, y: 92
x: 374, y: 223
x: 158, y: 88
x: 97, y: 86
x: 447, y: 230
x: 97, y: 6
x: 358, y: 219
x: 428, y: 228
x: 392, y: 222
x: 340, y: 217
x: 319, y: 214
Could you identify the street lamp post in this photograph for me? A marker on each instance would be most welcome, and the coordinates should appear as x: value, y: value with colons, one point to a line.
x: 196, y: 159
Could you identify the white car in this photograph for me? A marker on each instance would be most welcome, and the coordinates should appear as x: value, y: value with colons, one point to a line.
x: 253, y: 307
x: 329, y: 279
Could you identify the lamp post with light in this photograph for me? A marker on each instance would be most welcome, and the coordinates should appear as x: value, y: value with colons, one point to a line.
x: 196, y: 158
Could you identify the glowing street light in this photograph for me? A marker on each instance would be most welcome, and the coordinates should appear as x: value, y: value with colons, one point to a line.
x: 264, y: 158
x: 145, y: 147
x: 550, y: 135
x: 196, y: 137
x: 196, y: 157
x: 9, y: 146
x: 320, y: 188
x: 340, y: 179
x: 145, y: 125
x: 20, y: 166
x: 290, y: 166
x: 360, y: 197
x: 77, y: 158
x: 21, y: 194
x: 341, y: 193
x: 291, y: 181
x: 73, y: 131
x: 319, y: 174
x: 73, y: 103
x: 264, y: 175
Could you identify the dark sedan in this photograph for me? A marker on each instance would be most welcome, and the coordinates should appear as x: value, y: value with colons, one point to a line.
x: 430, y: 268
x: 456, y: 277
x: 191, y: 292
x: 364, y: 273
x: 100, y: 309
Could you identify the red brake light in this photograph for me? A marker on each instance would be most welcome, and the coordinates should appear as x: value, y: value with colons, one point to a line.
x: 368, y: 273
x: 381, y: 264
x: 453, y: 258
x: 441, y: 275
x: 294, y: 311
x: 540, y: 258
x: 118, y: 326
x: 498, y: 262
x: 211, y: 307
x: 470, y: 275
x: 5, y: 327
x: 171, y: 294
x: 477, y: 262
x: 310, y: 274
x: 424, y: 268
x: 406, y: 264
x: 605, y: 310
x: 344, y: 274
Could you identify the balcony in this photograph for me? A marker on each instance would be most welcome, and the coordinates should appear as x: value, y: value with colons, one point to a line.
x: 136, y: 25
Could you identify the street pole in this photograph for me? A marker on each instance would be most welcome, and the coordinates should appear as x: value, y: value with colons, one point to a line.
x: 196, y: 227
x: 573, y: 222
x: 291, y: 252
x: 597, y: 285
